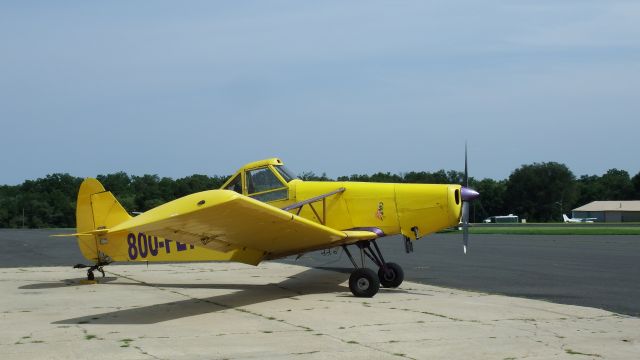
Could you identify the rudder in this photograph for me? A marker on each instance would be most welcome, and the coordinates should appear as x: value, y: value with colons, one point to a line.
x: 96, y: 209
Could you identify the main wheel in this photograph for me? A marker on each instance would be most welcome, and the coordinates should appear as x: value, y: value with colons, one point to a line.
x: 363, y: 282
x: 392, y: 277
x: 90, y: 275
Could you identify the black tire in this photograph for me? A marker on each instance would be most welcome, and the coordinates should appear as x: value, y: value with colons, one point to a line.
x: 393, y: 277
x: 364, y: 282
x: 90, y: 275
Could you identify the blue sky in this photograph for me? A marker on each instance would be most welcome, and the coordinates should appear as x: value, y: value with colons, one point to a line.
x: 177, y: 88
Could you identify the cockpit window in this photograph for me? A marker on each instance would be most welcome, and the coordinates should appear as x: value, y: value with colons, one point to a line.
x: 285, y: 173
x: 235, y: 184
x: 260, y: 180
x: 264, y: 185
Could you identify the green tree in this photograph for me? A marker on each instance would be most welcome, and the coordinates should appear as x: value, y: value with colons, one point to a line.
x: 636, y: 186
x: 588, y: 189
x: 491, y: 201
x: 537, y: 192
x: 423, y: 177
x: 311, y: 176
x: 385, y: 177
x: 118, y: 183
x: 456, y: 177
x: 616, y: 185
x: 147, y: 192
x: 196, y: 183
x: 355, y: 177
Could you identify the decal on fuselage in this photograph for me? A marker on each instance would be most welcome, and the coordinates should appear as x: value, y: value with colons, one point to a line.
x: 141, y: 246
x: 380, y: 212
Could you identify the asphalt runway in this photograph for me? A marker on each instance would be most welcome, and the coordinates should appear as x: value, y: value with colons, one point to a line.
x: 594, y: 271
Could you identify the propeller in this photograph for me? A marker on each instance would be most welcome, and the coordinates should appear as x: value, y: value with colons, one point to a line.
x: 467, y: 195
x: 465, y: 225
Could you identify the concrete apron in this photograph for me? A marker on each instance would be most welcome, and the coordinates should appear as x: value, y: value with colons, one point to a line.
x: 277, y: 311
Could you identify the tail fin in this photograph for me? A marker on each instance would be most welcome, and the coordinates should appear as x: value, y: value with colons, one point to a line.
x: 96, y: 209
x: 565, y: 218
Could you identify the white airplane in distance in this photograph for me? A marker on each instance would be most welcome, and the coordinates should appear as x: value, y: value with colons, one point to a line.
x: 578, y: 220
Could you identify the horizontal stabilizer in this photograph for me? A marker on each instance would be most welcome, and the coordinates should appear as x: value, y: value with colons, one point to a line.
x: 88, y: 233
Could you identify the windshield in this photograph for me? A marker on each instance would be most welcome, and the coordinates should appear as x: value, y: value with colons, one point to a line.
x: 263, y: 185
x: 287, y: 174
x: 259, y: 180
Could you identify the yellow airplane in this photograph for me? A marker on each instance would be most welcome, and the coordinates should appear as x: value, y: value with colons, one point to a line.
x: 264, y: 212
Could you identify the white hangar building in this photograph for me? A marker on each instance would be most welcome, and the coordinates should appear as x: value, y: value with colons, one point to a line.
x: 610, y: 211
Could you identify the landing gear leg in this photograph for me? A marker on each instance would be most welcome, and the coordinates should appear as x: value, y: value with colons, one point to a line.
x: 101, y: 270
x: 363, y: 282
x: 390, y: 274
x: 91, y: 269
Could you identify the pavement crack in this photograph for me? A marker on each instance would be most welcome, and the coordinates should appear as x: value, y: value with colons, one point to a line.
x: 141, y: 350
x: 352, y: 342
x: 573, y: 352
x: 438, y: 315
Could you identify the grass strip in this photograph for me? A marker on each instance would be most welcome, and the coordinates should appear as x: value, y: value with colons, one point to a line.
x: 553, y: 230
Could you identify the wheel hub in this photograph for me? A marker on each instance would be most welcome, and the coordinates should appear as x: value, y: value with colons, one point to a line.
x: 363, y: 284
x: 389, y: 275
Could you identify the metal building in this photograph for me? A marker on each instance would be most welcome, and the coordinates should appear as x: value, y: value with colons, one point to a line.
x: 610, y: 211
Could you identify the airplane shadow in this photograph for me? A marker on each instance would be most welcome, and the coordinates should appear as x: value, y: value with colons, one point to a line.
x: 343, y: 270
x: 310, y: 281
x: 64, y: 283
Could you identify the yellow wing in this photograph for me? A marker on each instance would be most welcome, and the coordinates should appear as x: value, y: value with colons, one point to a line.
x: 224, y: 220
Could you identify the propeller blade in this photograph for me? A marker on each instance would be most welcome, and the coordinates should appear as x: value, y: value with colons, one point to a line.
x: 467, y: 195
x: 465, y: 225
x: 466, y: 168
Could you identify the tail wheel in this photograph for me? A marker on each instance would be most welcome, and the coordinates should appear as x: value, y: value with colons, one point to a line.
x: 364, y: 282
x: 391, y: 275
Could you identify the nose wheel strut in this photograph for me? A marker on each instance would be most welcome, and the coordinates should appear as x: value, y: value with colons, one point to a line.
x: 363, y: 281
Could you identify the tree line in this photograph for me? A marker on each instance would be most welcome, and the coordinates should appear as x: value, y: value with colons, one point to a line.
x: 538, y: 192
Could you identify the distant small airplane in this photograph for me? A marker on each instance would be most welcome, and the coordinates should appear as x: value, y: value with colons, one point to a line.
x: 577, y: 220
x: 265, y: 212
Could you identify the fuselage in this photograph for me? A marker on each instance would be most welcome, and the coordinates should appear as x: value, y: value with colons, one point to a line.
x: 409, y: 209
x: 412, y: 210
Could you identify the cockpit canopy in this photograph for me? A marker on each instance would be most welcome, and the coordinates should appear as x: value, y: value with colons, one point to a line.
x: 264, y: 180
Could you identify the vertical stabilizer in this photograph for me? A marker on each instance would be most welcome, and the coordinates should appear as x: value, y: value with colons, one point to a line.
x: 96, y: 209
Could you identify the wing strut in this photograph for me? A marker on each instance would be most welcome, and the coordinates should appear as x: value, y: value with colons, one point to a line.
x: 310, y: 202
